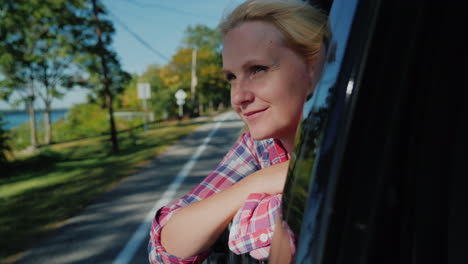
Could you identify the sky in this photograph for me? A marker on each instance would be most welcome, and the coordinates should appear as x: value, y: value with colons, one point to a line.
x: 150, y: 32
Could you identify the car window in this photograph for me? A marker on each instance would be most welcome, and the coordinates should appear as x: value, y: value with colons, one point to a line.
x: 325, y: 119
x: 329, y: 98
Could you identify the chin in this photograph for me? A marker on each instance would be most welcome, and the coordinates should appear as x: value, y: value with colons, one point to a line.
x: 260, y: 134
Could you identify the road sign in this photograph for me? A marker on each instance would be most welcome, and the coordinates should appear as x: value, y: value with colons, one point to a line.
x: 180, y: 95
x: 144, y: 91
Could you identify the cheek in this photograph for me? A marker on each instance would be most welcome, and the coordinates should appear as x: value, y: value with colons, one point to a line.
x: 303, y: 88
x: 304, y: 81
x: 298, y: 87
x: 233, y: 105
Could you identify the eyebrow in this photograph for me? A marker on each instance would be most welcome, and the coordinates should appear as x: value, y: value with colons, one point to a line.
x: 247, y: 64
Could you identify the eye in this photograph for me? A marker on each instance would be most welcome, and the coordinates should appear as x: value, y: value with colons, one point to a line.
x: 258, y: 69
x: 230, y: 77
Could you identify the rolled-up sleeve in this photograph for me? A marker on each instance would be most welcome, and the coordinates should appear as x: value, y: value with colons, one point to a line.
x: 157, y: 253
x: 241, y: 161
x: 253, y: 225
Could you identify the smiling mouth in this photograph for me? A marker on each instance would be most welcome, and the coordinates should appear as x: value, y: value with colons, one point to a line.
x: 253, y: 114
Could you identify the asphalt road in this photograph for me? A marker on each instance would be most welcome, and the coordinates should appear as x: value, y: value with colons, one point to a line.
x: 115, y: 228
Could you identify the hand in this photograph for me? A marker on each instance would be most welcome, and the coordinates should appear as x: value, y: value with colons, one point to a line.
x: 280, y: 250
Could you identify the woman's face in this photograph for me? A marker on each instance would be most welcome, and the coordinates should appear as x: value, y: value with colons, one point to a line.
x: 269, y: 82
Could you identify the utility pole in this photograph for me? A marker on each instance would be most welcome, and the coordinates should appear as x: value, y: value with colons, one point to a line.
x: 107, y: 91
x: 194, y: 81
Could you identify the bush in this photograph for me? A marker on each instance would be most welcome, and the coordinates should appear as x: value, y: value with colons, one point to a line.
x: 4, y: 142
x: 20, y: 136
x: 82, y: 121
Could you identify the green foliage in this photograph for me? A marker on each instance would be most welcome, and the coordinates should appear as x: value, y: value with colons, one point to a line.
x: 47, y: 46
x: 162, y: 101
x: 88, y: 120
x: 128, y: 100
x: 20, y: 137
x: 83, y: 120
x: 202, y: 37
x: 92, y: 58
x: 211, y: 90
x: 39, y: 39
x: 4, y: 142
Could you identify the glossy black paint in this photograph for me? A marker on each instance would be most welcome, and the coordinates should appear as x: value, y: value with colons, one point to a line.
x: 384, y: 159
x: 320, y: 118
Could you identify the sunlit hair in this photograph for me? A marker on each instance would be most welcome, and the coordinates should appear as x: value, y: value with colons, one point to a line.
x: 303, y: 26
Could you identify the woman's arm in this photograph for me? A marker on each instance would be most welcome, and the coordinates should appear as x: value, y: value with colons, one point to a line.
x: 194, y: 229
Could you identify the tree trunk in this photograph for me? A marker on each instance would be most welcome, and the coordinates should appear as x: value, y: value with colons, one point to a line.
x: 107, y: 90
x: 114, y: 140
x: 32, y: 121
x: 200, y: 105
x: 47, y: 124
x: 211, y: 106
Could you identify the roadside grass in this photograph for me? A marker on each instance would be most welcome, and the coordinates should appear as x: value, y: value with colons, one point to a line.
x: 39, y: 192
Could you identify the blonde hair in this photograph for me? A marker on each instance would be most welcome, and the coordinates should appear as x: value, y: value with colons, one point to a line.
x: 303, y: 26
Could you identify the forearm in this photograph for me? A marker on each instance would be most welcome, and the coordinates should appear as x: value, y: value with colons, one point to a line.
x: 193, y: 229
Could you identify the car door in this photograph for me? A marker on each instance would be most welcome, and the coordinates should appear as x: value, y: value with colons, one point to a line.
x: 377, y: 174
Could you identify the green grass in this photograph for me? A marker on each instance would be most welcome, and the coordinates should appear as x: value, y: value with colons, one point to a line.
x: 40, y: 191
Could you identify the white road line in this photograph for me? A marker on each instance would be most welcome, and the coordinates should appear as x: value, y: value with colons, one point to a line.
x: 127, y: 253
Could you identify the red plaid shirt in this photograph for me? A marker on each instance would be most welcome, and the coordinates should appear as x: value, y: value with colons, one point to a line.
x: 252, y: 227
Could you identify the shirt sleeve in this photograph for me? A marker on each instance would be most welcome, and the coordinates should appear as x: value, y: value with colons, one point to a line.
x: 238, y: 163
x: 253, y: 225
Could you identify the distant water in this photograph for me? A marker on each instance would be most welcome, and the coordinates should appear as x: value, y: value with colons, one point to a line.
x: 16, y: 118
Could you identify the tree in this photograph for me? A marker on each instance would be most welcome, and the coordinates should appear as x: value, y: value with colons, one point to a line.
x: 101, y: 69
x: 16, y: 48
x: 39, y: 43
x: 104, y: 54
x: 54, y: 44
x: 55, y: 58
x: 128, y: 100
x: 176, y: 75
x: 201, y: 36
x: 162, y: 97
x: 4, y: 138
x: 162, y: 102
x: 211, y: 86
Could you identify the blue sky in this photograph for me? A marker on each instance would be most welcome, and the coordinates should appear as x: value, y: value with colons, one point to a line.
x: 160, y: 24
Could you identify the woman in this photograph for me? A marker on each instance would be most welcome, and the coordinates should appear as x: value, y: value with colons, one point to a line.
x: 272, y: 58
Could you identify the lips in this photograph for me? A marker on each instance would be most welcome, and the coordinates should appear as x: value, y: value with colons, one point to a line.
x: 253, y: 114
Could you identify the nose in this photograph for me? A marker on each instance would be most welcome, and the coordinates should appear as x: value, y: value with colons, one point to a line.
x: 241, y: 95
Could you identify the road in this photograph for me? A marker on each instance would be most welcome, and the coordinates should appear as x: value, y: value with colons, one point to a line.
x: 115, y: 228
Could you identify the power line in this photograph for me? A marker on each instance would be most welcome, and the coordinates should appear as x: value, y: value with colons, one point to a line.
x: 171, y: 9
x: 135, y: 35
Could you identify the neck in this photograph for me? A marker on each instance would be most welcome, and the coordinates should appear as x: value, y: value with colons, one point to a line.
x: 288, y: 145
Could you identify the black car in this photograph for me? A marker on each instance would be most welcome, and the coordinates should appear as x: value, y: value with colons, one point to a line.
x: 377, y: 174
